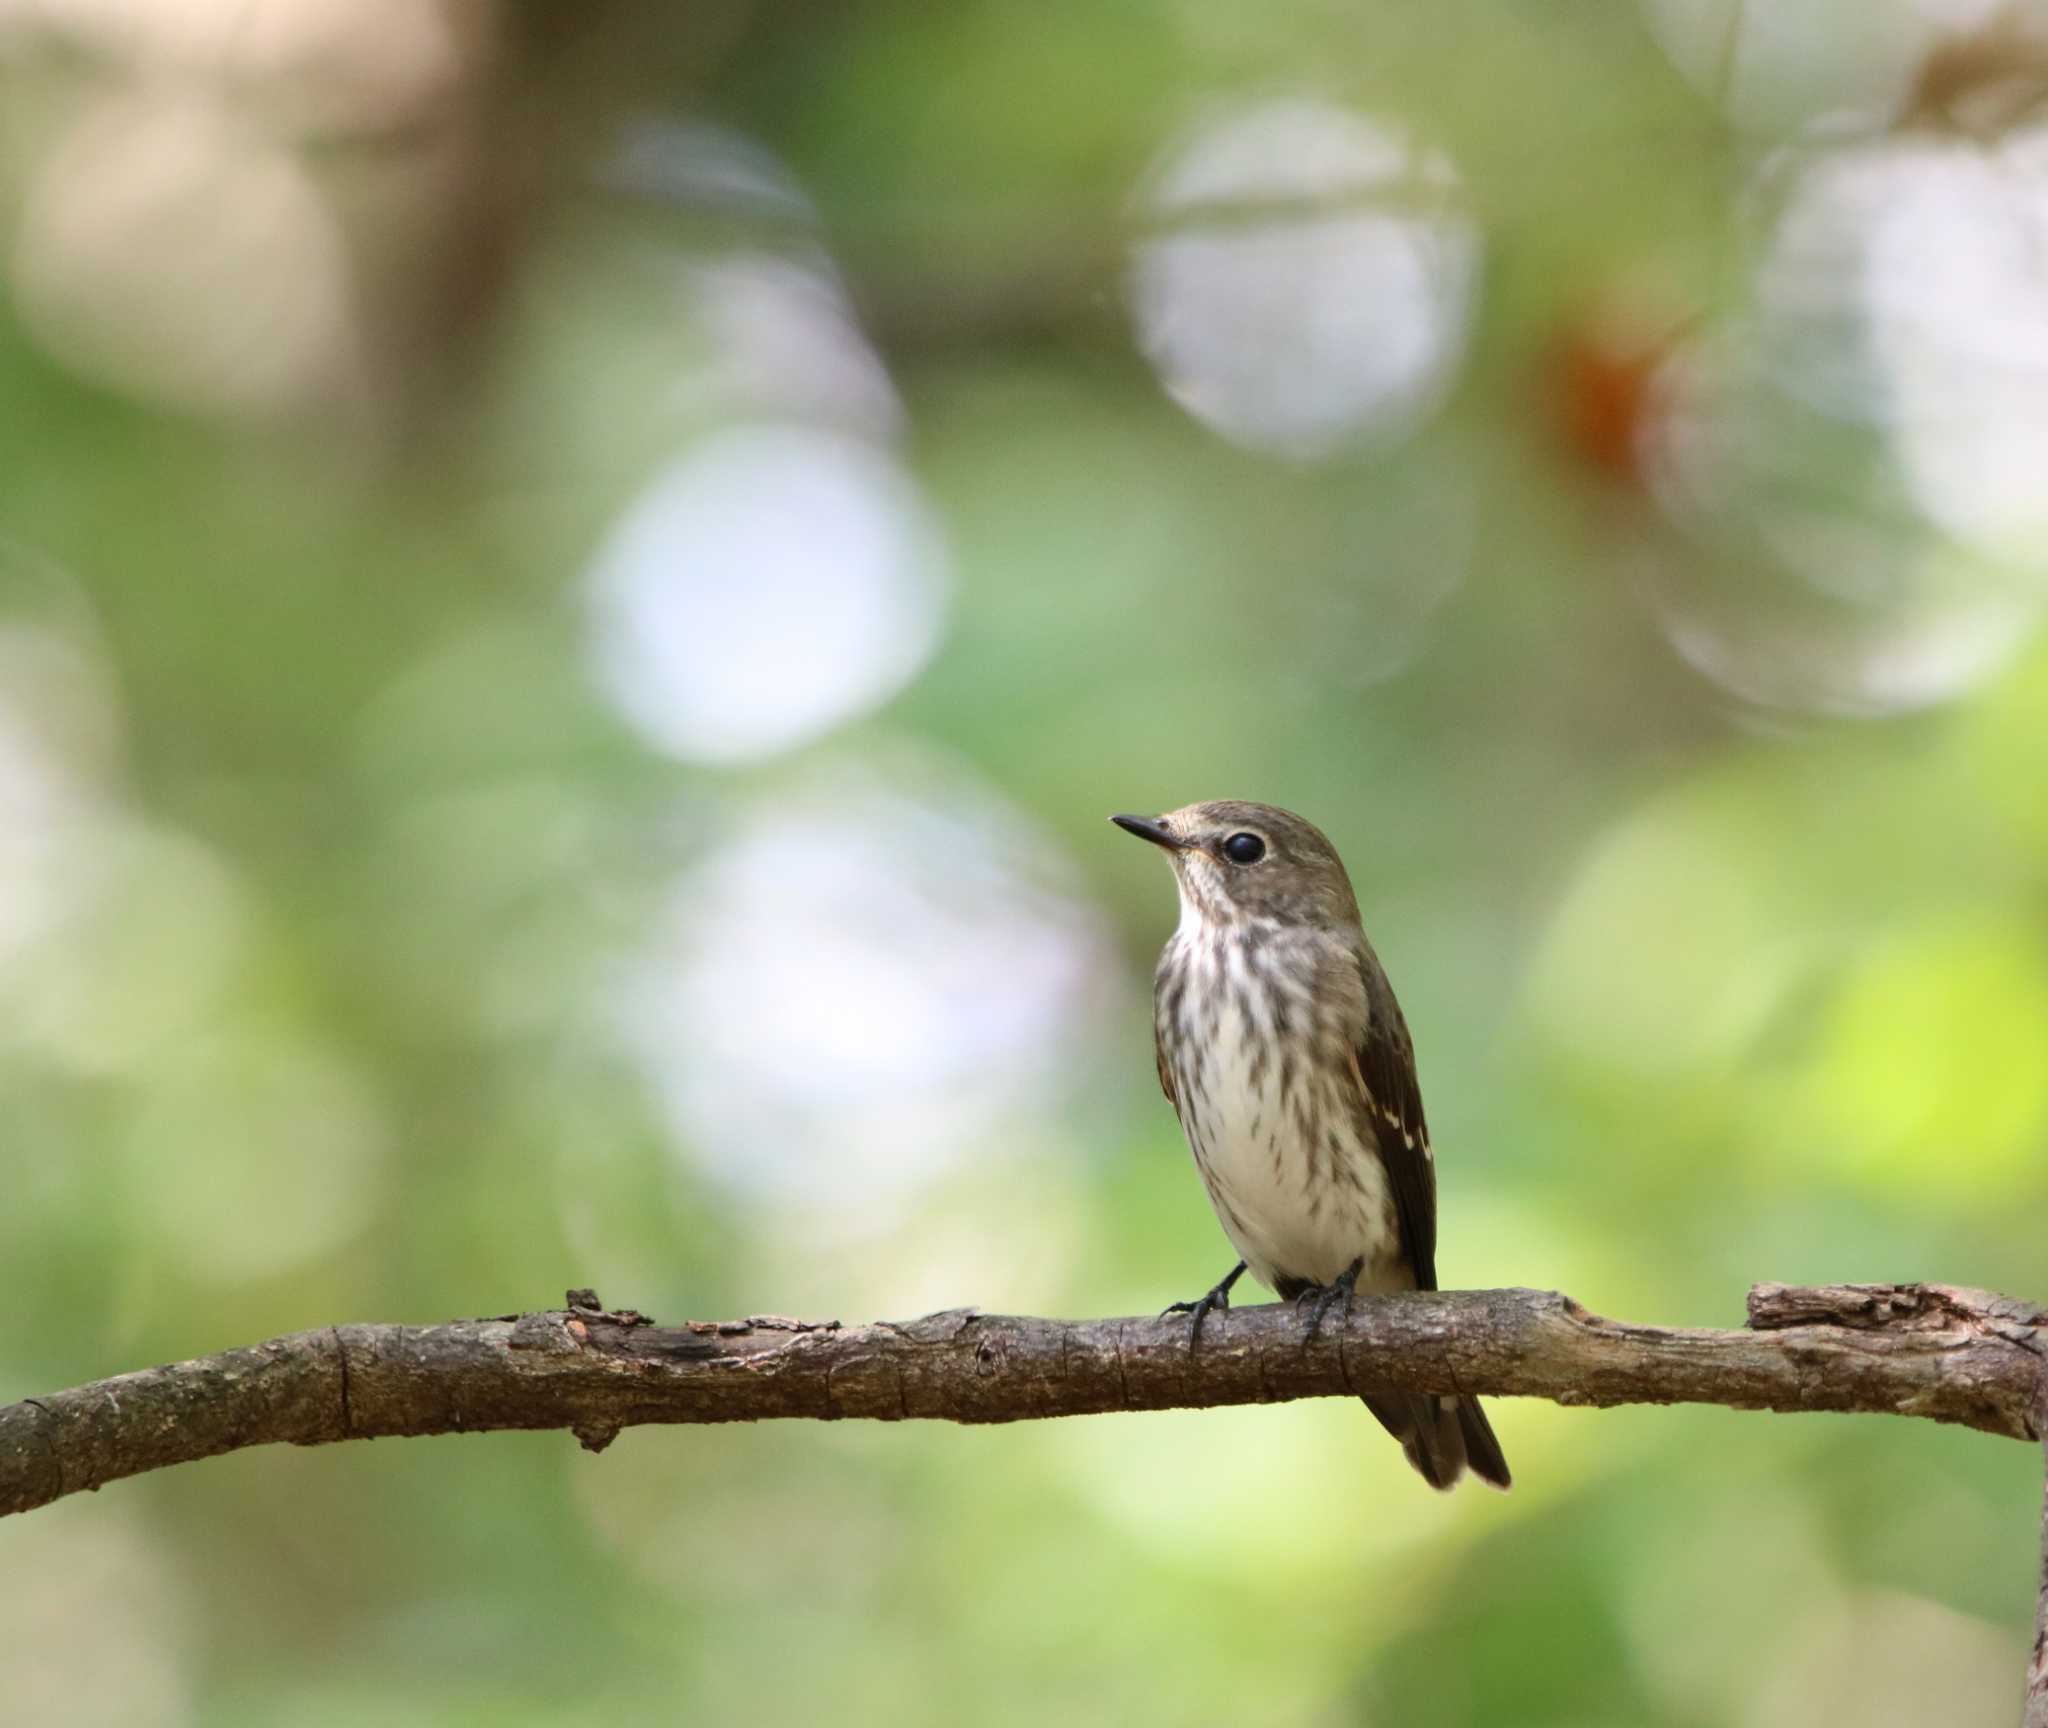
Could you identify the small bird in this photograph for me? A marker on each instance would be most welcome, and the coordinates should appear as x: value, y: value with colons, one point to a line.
x: 1284, y: 1053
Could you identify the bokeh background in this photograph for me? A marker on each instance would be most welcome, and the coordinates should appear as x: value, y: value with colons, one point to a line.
x: 576, y: 584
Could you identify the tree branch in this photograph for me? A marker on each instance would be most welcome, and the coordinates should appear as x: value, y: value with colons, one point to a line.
x: 2036, y: 1713
x: 1950, y: 1355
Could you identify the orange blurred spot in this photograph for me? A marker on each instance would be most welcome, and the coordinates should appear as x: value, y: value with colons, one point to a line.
x: 1600, y: 383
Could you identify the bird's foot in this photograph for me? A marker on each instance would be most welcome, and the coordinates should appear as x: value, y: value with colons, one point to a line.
x: 1318, y: 1299
x: 1216, y: 1300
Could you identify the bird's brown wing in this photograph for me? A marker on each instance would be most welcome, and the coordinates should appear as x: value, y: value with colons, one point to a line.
x: 1393, y: 1096
x: 1441, y: 1436
x: 1165, y: 1073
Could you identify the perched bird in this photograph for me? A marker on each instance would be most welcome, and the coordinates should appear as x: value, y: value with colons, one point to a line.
x: 1284, y: 1053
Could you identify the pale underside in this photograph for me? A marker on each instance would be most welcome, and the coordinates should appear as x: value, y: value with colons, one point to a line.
x: 1284, y: 1145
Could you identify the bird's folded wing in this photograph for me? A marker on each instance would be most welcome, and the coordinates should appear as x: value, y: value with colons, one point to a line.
x: 1393, y: 1100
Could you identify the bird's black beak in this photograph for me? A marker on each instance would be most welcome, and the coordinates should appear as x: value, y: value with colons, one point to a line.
x: 1147, y: 829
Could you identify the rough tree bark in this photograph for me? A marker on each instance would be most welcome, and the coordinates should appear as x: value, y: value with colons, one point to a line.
x: 1950, y: 1355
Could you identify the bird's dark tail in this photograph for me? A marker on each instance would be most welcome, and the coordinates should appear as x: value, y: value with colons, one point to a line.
x: 1443, y: 1437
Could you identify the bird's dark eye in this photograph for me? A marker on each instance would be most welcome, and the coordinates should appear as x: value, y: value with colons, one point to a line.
x: 1244, y: 848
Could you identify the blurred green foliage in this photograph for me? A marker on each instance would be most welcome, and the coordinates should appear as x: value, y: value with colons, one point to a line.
x: 333, y: 868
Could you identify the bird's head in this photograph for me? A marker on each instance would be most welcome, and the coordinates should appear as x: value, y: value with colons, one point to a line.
x: 1236, y: 861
